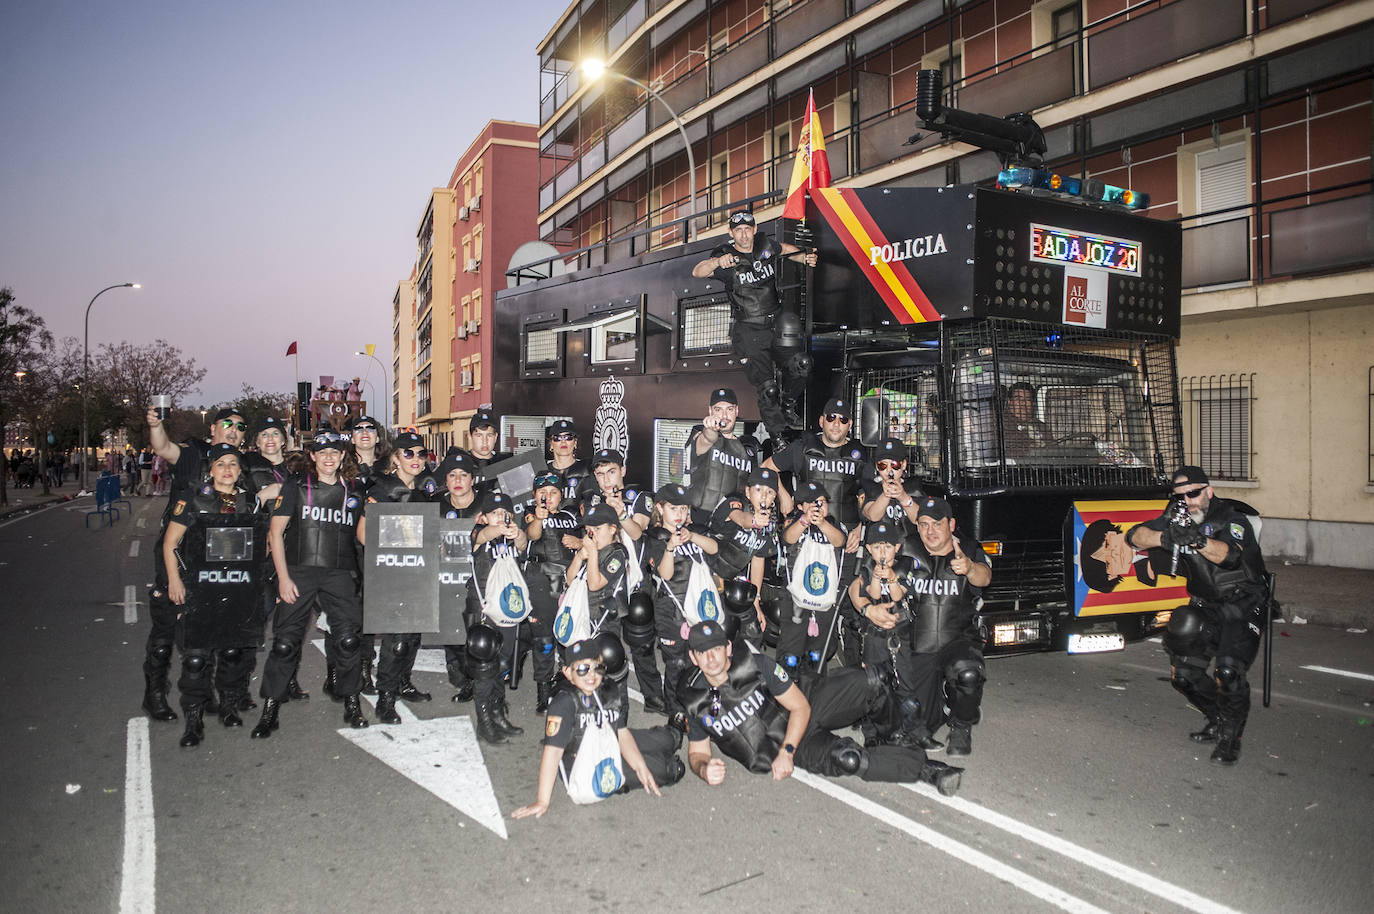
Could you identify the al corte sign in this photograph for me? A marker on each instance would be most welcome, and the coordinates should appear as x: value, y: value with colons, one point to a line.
x: 1085, y: 297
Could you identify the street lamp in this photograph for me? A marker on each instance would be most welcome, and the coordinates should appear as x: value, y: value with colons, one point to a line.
x: 386, y: 402
x: 594, y: 68
x: 86, y: 376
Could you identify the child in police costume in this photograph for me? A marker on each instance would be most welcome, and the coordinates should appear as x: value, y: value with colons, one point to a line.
x: 807, y: 640
x: 649, y: 756
x: 555, y: 534
x: 491, y: 649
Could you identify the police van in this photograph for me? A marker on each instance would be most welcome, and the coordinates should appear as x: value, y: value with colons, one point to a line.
x: 1020, y: 341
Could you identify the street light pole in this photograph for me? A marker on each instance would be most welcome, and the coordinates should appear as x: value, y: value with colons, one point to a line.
x: 386, y: 403
x: 593, y: 69
x: 86, y: 377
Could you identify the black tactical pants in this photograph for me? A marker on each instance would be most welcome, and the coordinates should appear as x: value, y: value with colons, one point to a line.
x: 1231, y: 637
x: 336, y: 592
x: 950, y: 671
x: 397, y: 661
x: 230, y: 669
x: 839, y: 701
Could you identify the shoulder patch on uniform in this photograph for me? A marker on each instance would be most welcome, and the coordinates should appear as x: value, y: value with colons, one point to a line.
x: 613, y: 565
x: 781, y: 673
x: 856, y: 454
x: 552, y: 725
x: 181, y: 506
x: 1238, y: 531
x: 352, y: 502
x: 206, y: 490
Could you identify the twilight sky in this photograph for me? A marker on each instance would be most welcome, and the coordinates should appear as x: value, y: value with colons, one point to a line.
x: 261, y: 167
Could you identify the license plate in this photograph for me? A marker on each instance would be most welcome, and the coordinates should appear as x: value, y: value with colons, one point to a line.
x: 1096, y: 643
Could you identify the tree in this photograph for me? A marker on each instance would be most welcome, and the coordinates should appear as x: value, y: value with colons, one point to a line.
x: 255, y: 405
x: 23, y: 335
x: 45, y: 399
x: 130, y: 375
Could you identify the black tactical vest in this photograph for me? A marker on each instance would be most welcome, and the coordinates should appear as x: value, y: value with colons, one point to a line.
x: 575, y: 478
x: 721, y: 471
x: 942, y: 603
x: 737, y: 545
x: 751, y: 283
x: 836, y: 468
x: 549, y: 547
x: 390, y: 488
x: 207, y: 501
x: 323, y: 532
x: 751, y: 725
x: 1213, y: 583
x: 481, y: 482
x: 264, y: 472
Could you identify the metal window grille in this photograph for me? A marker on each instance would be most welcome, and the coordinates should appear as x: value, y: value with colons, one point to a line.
x: 914, y: 413
x: 1219, y: 433
x: 703, y: 325
x: 541, y: 347
x: 670, y: 450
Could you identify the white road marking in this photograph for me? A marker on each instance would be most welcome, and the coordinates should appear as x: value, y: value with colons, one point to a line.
x: 142, y: 522
x: 130, y: 603
x: 139, y: 876
x: 133, y: 549
x: 1336, y: 672
x: 1141, y: 880
x: 1330, y: 706
x: 430, y: 660
x: 961, y: 852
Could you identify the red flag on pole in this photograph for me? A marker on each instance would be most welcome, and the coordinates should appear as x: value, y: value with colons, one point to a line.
x: 291, y: 350
x: 811, y: 168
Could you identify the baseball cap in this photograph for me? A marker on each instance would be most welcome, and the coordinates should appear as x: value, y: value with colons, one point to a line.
x: 362, y: 420
x: 217, y: 451
x: 741, y: 217
x: 456, y: 461
x: 600, y: 516
x: 810, y: 491
x: 408, y: 440
x: 323, y: 440
x: 883, y: 532
x: 934, y: 506
x: 723, y: 395
x: 764, y: 477
x: 607, y: 455
x: 588, y: 649
x: 1191, y: 476
x: 562, y: 427
x: 549, y: 477
x: 890, y: 449
x: 672, y: 494
x: 705, y: 635
x: 483, y: 418
x: 267, y: 422
x: 494, y: 501
x: 226, y: 413
x: 836, y: 407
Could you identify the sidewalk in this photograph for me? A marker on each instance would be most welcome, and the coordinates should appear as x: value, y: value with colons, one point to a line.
x: 1339, y: 597
x: 23, y: 500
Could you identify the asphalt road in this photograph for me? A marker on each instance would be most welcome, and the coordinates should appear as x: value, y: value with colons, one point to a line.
x: 1083, y: 792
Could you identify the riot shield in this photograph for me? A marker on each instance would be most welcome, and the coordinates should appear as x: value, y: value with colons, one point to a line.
x: 400, y: 590
x: 515, y: 476
x: 455, y: 570
x: 223, y: 563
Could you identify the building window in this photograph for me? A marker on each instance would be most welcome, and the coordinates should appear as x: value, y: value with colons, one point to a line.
x: 1214, y: 187
x: 477, y: 179
x: 1369, y: 428
x: 476, y: 307
x: 477, y: 242
x: 615, y: 341
x: 703, y: 325
x: 467, y: 191
x: 719, y: 180
x: 949, y: 60
x: 476, y: 372
x: 1218, y: 424
x: 465, y: 378
x: 541, y: 346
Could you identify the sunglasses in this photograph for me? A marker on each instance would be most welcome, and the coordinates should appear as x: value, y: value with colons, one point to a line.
x: 836, y: 417
x: 564, y: 436
x: 889, y: 464
x: 230, y: 423
x: 1193, y: 493
x: 364, y: 428
x: 410, y: 453
x: 547, y: 479
x: 582, y: 669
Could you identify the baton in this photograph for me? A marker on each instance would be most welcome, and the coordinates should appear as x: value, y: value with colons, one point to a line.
x: 1270, y: 581
x: 834, y: 620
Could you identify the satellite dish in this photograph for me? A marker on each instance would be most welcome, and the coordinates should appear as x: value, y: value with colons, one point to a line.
x: 533, y: 261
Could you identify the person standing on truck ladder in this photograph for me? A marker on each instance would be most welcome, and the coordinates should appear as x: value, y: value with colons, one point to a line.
x: 748, y: 267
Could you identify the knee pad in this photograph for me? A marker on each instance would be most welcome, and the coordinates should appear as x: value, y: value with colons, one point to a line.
x: 195, y: 662
x: 400, y: 647
x: 484, y: 643
x: 161, y: 654
x: 283, y: 649
x: 966, y: 675
x: 738, y: 596
x: 769, y: 391
x: 1230, y: 674
x: 1187, y: 632
x: 350, y: 643
x: 879, y: 680
x: 799, y: 365
x: 847, y: 757
x: 231, y: 654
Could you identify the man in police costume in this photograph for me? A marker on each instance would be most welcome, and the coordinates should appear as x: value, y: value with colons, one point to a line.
x: 189, y: 468
x: 945, y: 587
x: 312, y: 538
x: 1220, y: 555
x: 748, y: 267
x: 747, y: 705
x: 832, y: 460
x: 719, y: 461
x: 483, y: 435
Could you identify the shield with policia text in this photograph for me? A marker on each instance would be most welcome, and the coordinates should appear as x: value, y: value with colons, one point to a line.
x: 400, y: 590
x: 454, y: 572
x: 223, y: 563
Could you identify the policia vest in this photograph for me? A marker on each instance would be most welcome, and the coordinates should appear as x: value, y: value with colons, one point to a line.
x: 719, y: 472
x: 751, y: 725
x: 942, y: 603
x: 264, y: 472
x: 1244, y: 581
x: 323, y: 530
x: 836, y: 468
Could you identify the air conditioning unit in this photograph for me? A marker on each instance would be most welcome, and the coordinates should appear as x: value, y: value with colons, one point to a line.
x: 466, y: 377
x: 463, y: 213
x: 472, y: 326
x: 472, y: 265
x: 475, y: 204
x: 462, y: 331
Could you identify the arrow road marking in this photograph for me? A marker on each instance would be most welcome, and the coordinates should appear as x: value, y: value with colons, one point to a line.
x: 441, y: 755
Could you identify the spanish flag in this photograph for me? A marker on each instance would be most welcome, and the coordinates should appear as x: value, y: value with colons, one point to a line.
x: 811, y: 168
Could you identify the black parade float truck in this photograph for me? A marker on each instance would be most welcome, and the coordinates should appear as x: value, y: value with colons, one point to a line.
x: 1019, y: 339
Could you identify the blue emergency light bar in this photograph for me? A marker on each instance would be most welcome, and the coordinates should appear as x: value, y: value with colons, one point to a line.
x: 1039, y: 180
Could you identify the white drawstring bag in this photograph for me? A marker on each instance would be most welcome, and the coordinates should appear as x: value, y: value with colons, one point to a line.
x: 703, y: 600
x: 573, y: 621
x: 598, y: 770
x: 506, y: 600
x: 634, y: 573
x: 815, y: 576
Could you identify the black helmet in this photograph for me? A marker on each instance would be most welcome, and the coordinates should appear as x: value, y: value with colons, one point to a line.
x: 738, y: 596
x: 613, y: 655
x: 484, y: 642
x: 788, y: 333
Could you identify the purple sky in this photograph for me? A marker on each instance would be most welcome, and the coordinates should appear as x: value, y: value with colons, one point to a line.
x: 260, y: 167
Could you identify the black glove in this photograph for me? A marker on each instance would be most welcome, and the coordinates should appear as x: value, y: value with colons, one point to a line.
x: 1182, y: 536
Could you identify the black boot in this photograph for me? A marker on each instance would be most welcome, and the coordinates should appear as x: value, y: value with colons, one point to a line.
x: 369, y: 684
x: 386, y: 708
x: 543, y: 692
x: 499, y: 711
x: 408, y: 692
x: 487, y: 730
x: 960, y: 739
x: 463, y: 694
x: 155, y: 697
x: 268, y: 723
x: 246, y: 702
x: 1227, y: 751
x: 195, y: 728
x: 228, y: 710
x: 211, y: 704
x: 294, y: 692
x: 331, y: 683
x: 353, y: 712
x: 1207, y: 734
x: 944, y: 778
